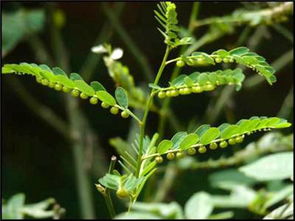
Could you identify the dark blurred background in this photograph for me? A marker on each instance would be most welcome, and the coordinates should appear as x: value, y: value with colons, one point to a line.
x: 38, y: 161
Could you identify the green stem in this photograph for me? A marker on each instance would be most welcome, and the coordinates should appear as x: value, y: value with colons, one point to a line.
x: 147, y: 108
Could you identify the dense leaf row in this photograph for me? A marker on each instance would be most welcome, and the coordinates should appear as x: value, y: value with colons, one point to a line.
x: 240, y: 55
x: 56, y: 78
x: 211, y: 137
x: 167, y: 18
x: 199, y: 82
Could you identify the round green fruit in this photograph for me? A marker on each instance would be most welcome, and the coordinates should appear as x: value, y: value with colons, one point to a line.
x: 213, y: 146
x: 44, y: 82
x: 122, y: 193
x: 232, y: 141
x: 75, y: 93
x: 93, y: 100
x: 159, y: 159
x: 223, y: 144
x: 83, y: 96
x: 104, y: 105
x: 202, y: 149
x: 191, y: 151
x: 58, y: 87
x: 179, y: 155
x: 170, y: 156
x: 161, y: 94
x: 124, y: 114
x: 65, y: 89
x: 180, y: 63
x: 114, y: 110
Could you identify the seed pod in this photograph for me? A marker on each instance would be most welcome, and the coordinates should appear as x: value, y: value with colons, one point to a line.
x: 65, y: 89
x: 232, y: 141
x: 75, y: 93
x: 202, y: 149
x: 174, y: 93
x: 159, y: 159
x: 44, y: 82
x: 122, y: 193
x: 239, y: 139
x: 124, y: 114
x: 170, y: 156
x: 181, y: 91
x: 191, y: 151
x: 225, y: 60
x: 114, y: 110
x: 83, y: 96
x: 93, y: 100
x: 180, y: 63
x: 179, y: 155
x: 51, y: 84
x: 218, y: 60
x: 187, y: 90
x: 208, y: 87
x: 58, y: 87
x: 213, y: 146
x: 168, y: 93
x: 197, y: 89
x: 161, y: 94
x: 104, y: 105
x: 223, y: 144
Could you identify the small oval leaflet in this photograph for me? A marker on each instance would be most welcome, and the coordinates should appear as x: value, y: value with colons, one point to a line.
x: 106, y: 97
x: 121, y: 97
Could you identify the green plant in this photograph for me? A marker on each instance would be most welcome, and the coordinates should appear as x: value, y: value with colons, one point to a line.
x: 140, y: 159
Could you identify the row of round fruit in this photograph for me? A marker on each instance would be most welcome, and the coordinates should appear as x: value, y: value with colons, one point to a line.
x: 201, y: 149
x: 202, y: 61
x: 77, y: 93
x: 186, y: 90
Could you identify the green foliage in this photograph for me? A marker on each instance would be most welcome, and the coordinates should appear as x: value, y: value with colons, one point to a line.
x: 18, y: 25
x: 272, y: 167
x: 167, y: 18
x: 15, y: 208
x: 201, y: 82
x: 240, y: 55
x: 56, y: 78
x: 205, y: 136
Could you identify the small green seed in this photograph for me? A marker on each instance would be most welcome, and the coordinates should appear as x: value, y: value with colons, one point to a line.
x: 174, y: 93
x: 201, y: 61
x: 104, y: 105
x: 179, y: 155
x: 168, y: 93
x: 124, y: 114
x: 191, y: 151
x: 187, y: 90
x: 170, y: 156
x: 232, y: 141
x: 225, y: 60
x: 159, y: 159
x: 51, y: 84
x: 58, y: 87
x: 180, y: 63
x: 93, y: 100
x: 181, y: 91
x: 209, y: 87
x: 231, y: 60
x: 197, y: 89
x: 39, y: 79
x: 83, y: 96
x: 239, y: 139
x: 75, y: 93
x: 218, y: 60
x: 44, y: 82
x: 223, y: 144
x: 114, y: 110
x: 213, y: 146
x: 65, y: 89
x: 122, y: 193
x: 202, y: 149
x: 161, y: 94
